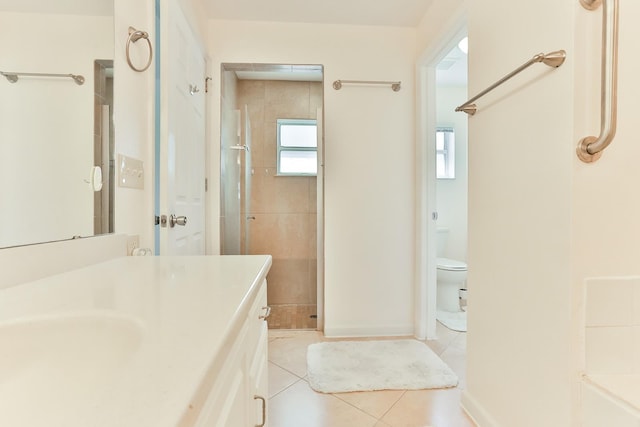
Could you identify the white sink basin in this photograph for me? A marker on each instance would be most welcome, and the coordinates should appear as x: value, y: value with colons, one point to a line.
x: 62, y: 356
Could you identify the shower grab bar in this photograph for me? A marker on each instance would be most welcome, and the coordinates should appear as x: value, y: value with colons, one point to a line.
x: 395, y: 86
x: 590, y: 148
x: 13, y: 77
x: 552, y: 59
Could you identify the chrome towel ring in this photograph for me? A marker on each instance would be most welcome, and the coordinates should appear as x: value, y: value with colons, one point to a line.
x: 134, y: 36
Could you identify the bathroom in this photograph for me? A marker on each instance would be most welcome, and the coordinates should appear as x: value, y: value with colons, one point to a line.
x: 571, y: 221
x: 451, y: 186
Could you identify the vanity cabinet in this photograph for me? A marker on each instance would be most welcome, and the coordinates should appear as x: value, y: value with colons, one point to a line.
x: 138, y: 341
x: 239, y: 394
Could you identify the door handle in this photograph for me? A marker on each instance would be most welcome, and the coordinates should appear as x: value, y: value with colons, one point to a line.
x: 177, y: 220
x: 264, y: 410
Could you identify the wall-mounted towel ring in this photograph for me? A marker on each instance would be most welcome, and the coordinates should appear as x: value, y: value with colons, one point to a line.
x: 134, y: 36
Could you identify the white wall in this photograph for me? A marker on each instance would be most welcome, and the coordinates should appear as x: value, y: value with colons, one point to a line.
x: 452, y: 193
x: 541, y: 221
x: 520, y: 158
x: 369, y: 150
x: 47, y: 125
x: 134, y: 94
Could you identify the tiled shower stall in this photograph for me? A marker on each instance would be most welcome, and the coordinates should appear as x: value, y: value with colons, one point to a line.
x: 280, y: 215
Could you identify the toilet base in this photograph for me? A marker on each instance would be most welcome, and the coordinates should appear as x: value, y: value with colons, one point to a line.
x: 448, y: 297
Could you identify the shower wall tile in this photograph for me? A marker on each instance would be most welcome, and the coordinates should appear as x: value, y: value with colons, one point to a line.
x: 636, y: 353
x: 288, y: 282
x: 313, y: 194
x: 251, y: 92
x: 276, y: 194
x: 636, y: 304
x: 257, y: 145
x: 269, y: 144
x: 292, y: 194
x: 612, y: 333
x: 280, y: 235
x: 312, y: 232
x: 294, y: 94
x: 313, y: 281
x: 610, y: 350
x: 315, y: 98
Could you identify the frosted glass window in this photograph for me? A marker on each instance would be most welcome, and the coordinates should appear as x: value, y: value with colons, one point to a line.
x: 445, y: 153
x: 297, y: 147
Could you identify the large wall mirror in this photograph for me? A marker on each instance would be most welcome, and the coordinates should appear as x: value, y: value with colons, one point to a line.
x: 56, y: 128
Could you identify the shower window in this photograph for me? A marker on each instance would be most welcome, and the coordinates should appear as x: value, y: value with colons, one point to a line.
x: 445, y: 153
x: 297, y: 147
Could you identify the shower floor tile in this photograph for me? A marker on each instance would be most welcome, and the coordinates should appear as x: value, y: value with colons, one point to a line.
x: 293, y: 316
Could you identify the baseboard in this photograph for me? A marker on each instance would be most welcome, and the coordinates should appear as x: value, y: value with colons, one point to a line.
x: 367, y: 331
x: 475, y: 411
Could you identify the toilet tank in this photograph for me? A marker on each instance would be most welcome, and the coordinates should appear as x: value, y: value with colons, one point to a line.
x: 441, y: 240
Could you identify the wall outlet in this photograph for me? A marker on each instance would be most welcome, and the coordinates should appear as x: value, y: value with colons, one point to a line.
x: 130, y: 172
x: 133, y: 242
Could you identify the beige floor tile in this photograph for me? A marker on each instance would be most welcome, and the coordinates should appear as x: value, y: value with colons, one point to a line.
x: 445, y: 337
x: 375, y: 403
x: 279, y: 379
x: 456, y: 359
x: 288, y: 349
x: 300, y: 406
x: 437, y: 408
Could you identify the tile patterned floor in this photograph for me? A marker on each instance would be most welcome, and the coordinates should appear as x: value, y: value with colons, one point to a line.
x: 293, y: 316
x: 292, y: 403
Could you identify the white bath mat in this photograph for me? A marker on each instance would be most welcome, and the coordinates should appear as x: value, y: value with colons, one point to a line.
x: 342, y: 366
x: 455, y: 321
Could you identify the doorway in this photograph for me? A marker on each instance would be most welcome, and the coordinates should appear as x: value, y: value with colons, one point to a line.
x: 271, y: 181
x: 427, y: 184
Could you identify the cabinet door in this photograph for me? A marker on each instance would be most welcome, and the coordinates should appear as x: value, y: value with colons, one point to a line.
x: 228, y: 404
x: 258, y: 378
x: 234, y: 411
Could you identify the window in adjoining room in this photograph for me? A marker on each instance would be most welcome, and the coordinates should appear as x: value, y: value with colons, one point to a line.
x: 297, y: 147
x: 445, y: 153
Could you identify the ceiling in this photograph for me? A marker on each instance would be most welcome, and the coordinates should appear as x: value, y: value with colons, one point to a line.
x: 452, y: 69
x: 400, y: 13
x: 70, y: 7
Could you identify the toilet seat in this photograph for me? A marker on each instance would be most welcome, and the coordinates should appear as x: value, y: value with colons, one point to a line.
x: 451, y: 264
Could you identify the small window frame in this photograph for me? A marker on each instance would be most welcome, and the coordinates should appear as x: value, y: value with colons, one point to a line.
x: 293, y: 148
x: 447, y: 168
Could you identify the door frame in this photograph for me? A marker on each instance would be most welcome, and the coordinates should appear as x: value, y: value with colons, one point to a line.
x: 426, y: 229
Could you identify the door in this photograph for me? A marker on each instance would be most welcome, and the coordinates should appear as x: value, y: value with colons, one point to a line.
x: 246, y: 188
x: 182, y: 149
x: 236, y: 175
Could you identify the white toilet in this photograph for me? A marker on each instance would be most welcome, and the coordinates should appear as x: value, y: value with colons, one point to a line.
x: 451, y: 276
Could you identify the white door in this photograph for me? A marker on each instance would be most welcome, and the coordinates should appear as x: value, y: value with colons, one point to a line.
x: 182, y: 149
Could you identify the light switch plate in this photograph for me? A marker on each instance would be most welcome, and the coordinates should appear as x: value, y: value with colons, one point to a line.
x: 130, y: 172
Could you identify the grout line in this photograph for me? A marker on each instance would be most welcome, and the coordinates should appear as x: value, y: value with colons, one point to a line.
x: 287, y: 387
x: 285, y: 369
x: 392, y: 406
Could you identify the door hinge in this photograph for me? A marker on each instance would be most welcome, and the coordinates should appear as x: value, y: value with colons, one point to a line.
x: 206, y: 185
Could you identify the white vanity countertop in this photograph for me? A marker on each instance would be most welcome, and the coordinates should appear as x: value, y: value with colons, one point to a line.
x: 125, y: 343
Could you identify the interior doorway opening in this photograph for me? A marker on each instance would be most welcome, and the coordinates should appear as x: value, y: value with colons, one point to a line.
x: 427, y: 214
